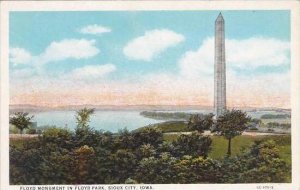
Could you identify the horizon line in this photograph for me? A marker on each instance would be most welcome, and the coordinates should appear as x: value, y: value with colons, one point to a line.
x: 154, y: 105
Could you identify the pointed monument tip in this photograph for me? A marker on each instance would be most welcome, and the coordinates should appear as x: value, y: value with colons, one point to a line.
x: 220, y: 17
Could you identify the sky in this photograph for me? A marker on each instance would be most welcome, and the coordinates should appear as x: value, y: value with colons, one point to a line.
x: 147, y: 58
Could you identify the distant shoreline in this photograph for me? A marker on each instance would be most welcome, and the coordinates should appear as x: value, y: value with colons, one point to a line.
x: 33, y: 108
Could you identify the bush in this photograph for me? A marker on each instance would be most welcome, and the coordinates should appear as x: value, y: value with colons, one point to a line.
x: 148, y: 135
x: 261, y: 164
x: 57, y: 157
x: 194, y: 145
x: 198, y: 170
x: 156, y: 170
x: 31, y: 131
x: 253, y: 129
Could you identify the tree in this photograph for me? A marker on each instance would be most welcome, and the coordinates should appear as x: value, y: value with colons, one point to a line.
x: 148, y: 135
x: 201, y: 122
x: 158, y: 170
x: 21, y: 120
x: 261, y: 163
x: 83, y: 117
x: 231, y: 124
x: 198, y: 170
x: 193, y: 144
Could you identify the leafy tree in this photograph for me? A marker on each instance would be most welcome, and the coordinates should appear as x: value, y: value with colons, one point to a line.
x: 83, y: 117
x: 59, y: 137
x: 21, y: 120
x: 60, y: 156
x: 146, y: 150
x: 148, y: 135
x: 83, y: 133
x: 124, y: 140
x: 194, y: 144
x: 156, y: 170
x: 198, y: 170
x: 201, y: 122
x: 122, y: 165
x: 259, y: 164
x: 231, y: 124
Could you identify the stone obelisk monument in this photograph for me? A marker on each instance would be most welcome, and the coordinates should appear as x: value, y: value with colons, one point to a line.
x: 220, y: 67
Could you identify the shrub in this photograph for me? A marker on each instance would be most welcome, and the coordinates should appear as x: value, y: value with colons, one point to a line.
x: 194, y: 144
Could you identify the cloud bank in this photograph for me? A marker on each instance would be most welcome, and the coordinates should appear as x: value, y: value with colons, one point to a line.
x: 91, y: 72
x: 191, y: 84
x: 245, y: 54
x: 56, y: 51
x: 151, y: 44
x: 19, y: 56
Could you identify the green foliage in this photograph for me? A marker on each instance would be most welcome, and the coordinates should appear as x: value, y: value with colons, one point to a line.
x: 146, y: 150
x: 198, y: 170
x: 59, y: 137
x: 21, y: 120
x: 32, y: 131
x: 166, y: 115
x: 170, y: 126
x: 82, y: 164
x: 156, y: 170
x: 256, y: 121
x: 83, y: 117
x: 13, y: 129
x: 261, y: 164
x: 194, y: 145
x: 276, y: 116
x: 231, y: 124
x: 123, y: 164
x: 124, y: 140
x: 277, y: 125
x: 148, y: 135
x: 60, y: 156
x: 200, y: 122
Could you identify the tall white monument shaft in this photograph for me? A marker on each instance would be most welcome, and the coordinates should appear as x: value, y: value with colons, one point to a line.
x: 220, y: 68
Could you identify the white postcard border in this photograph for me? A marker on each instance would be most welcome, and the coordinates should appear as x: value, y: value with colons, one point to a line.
x: 293, y: 6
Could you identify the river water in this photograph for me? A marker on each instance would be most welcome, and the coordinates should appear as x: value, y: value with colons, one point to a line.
x: 100, y: 120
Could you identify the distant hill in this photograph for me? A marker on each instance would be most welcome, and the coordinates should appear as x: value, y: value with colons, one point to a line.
x: 34, y: 108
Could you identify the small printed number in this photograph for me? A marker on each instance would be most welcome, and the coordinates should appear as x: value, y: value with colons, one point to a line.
x: 265, y: 187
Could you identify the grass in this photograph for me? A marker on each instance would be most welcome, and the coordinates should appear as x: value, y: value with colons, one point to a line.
x: 17, y: 142
x: 172, y: 126
x: 169, y: 126
x: 219, y: 145
x: 181, y: 126
x: 281, y: 121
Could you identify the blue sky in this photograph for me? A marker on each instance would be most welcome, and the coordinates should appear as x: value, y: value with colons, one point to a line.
x: 191, y: 35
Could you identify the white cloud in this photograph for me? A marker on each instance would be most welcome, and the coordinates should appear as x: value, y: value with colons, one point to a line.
x: 19, y: 56
x: 256, y: 52
x: 199, y: 62
x: 94, y: 29
x: 244, y: 54
x: 68, y: 48
x: 151, y: 44
x: 56, y: 51
x: 91, y: 72
x: 267, y: 90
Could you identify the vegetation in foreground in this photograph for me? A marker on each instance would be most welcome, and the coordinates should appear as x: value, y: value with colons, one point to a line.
x: 241, y: 143
x: 86, y: 156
